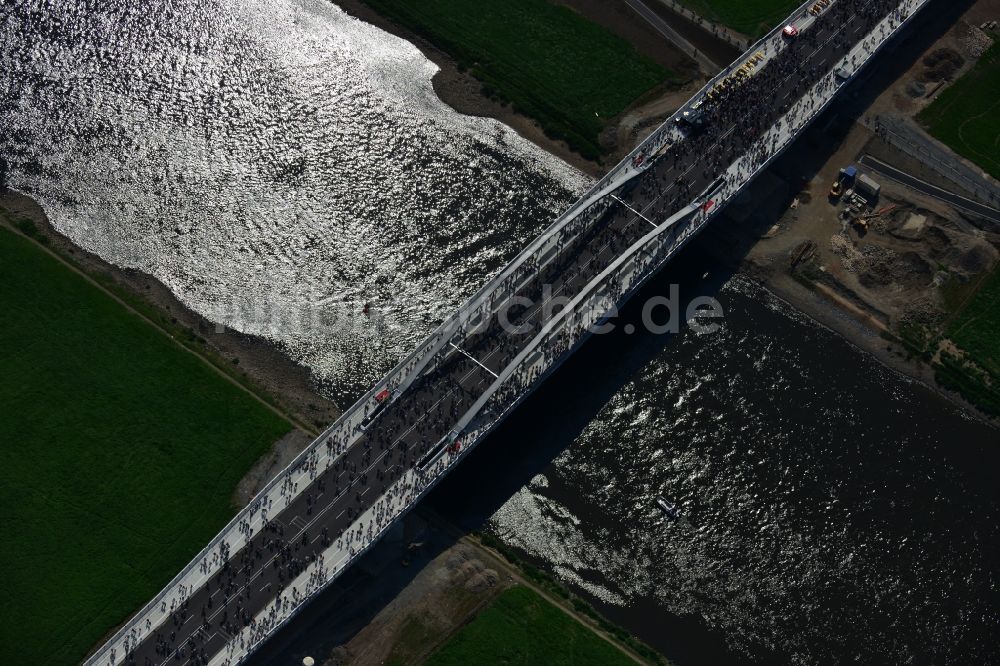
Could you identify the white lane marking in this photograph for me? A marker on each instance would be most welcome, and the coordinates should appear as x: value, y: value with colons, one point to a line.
x: 615, y: 197
x: 471, y: 358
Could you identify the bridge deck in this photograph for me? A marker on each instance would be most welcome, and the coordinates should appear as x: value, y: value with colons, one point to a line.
x: 352, y: 485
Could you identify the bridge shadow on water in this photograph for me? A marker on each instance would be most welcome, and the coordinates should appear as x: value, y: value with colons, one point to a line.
x: 552, y: 418
x: 541, y: 428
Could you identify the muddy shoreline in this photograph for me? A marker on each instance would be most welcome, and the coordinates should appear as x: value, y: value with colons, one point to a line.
x: 254, y: 361
x: 463, y: 92
x: 852, y: 319
x: 819, y: 309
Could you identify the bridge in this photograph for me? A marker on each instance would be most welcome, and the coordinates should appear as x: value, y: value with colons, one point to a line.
x: 389, y: 449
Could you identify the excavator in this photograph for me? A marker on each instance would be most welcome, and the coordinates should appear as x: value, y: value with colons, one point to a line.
x: 837, y: 189
x: 861, y: 222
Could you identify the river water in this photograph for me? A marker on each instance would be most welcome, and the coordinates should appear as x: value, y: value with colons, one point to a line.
x: 278, y: 164
x: 833, y: 511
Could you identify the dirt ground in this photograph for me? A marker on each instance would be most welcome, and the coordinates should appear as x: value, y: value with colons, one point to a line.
x: 964, y: 38
x: 443, y: 597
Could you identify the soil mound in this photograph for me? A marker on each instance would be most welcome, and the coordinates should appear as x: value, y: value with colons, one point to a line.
x: 941, y: 65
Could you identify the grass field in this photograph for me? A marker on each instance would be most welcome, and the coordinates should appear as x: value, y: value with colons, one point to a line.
x: 523, y: 628
x: 975, y: 329
x: 751, y: 17
x: 120, y: 451
x: 966, y: 116
x: 551, y: 64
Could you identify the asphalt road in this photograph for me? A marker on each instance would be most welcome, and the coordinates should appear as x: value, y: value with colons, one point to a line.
x: 956, y: 200
x: 402, y: 434
x: 674, y: 37
x: 905, y: 136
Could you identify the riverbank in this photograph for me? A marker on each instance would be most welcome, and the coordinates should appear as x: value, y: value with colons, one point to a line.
x: 897, y: 283
x: 870, y: 289
x: 456, y: 86
x: 255, y: 363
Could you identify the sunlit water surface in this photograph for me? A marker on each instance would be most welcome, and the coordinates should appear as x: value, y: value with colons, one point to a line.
x: 277, y: 164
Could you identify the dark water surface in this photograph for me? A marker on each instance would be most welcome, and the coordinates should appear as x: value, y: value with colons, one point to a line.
x: 833, y: 510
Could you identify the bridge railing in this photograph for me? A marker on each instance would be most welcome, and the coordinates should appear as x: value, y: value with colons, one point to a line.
x: 591, y: 304
x: 615, y: 176
x: 347, y: 428
x: 633, y: 267
x: 623, y: 277
x: 646, y: 147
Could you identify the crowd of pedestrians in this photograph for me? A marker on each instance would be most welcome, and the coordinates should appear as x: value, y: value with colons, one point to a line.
x: 344, y: 498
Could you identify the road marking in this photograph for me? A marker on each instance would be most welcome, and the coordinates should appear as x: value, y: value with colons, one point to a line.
x: 633, y: 210
x: 469, y: 356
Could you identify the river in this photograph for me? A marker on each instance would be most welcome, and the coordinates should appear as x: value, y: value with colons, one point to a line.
x: 833, y: 511
x: 278, y: 164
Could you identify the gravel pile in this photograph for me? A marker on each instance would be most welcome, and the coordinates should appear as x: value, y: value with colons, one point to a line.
x: 975, y: 42
x: 858, y: 260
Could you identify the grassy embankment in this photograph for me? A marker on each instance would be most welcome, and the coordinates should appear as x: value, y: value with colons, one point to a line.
x: 750, y: 17
x: 520, y: 627
x: 120, y: 453
x: 964, y: 349
x: 570, y: 75
x: 556, y: 590
x: 966, y: 116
